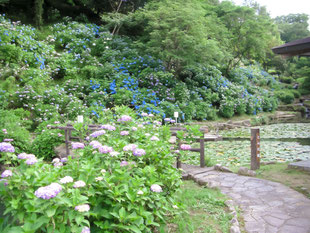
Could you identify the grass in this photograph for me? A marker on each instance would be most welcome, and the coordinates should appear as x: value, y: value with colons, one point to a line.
x: 296, y: 179
x: 205, y: 211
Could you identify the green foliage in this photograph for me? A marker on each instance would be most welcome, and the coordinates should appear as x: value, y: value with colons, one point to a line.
x: 16, y: 123
x: 44, y: 143
x: 286, y: 96
x: 118, y: 186
x: 293, y: 26
x: 287, y: 80
x: 179, y: 33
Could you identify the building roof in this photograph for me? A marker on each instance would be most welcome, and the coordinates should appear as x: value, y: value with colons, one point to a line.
x: 297, y: 47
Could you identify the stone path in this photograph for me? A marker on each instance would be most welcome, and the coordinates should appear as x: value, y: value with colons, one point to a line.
x: 303, y: 165
x: 266, y: 206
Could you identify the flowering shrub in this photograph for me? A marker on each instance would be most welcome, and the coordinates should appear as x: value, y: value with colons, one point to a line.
x: 95, y: 71
x: 113, y: 183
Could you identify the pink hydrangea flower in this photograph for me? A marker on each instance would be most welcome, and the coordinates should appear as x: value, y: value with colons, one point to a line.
x: 8, y: 140
x: 114, y: 153
x: 124, y: 133
x: 66, y: 179
x: 58, y: 164
x: 124, y: 118
x: 31, y: 161
x: 144, y: 114
x: 49, y: 191
x: 108, y: 127
x: 82, y: 208
x: 5, y: 182
x: 95, y: 144
x: 6, y: 147
x: 77, y: 145
x: 97, y: 133
x: 85, y: 230
x: 56, y: 160
x: 130, y: 147
x: 105, y: 149
x: 185, y: 147
x: 134, y: 128
x: 25, y: 156
x: 64, y: 160
x: 156, y: 188
x: 123, y: 163
x: 6, y: 173
x: 79, y: 184
x: 139, y: 152
x: 167, y: 119
x: 154, y: 138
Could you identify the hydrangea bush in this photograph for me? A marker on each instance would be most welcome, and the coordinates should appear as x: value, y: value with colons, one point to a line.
x: 83, y: 69
x: 111, y: 183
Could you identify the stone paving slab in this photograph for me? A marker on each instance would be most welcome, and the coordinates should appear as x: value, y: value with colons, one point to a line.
x: 266, y: 206
x: 303, y: 165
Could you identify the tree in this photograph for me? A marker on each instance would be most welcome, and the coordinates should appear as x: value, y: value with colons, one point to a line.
x: 179, y: 33
x: 251, y: 31
x: 293, y: 26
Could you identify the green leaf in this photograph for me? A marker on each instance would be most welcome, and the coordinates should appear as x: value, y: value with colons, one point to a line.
x: 122, y: 213
x: 51, y: 212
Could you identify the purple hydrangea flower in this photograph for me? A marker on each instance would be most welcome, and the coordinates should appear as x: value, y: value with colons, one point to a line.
x: 6, y: 173
x: 167, y: 119
x: 8, y: 140
x: 185, y: 147
x: 59, y: 135
x: 64, y: 160
x: 157, y: 123
x: 139, y: 152
x: 95, y: 144
x: 154, y: 138
x: 5, y: 182
x: 6, y: 147
x: 105, y: 149
x: 114, y: 153
x: 66, y: 179
x: 79, y: 184
x: 172, y: 121
x: 129, y: 147
x: 134, y: 128
x: 97, y: 133
x: 124, y: 133
x: 108, y: 127
x: 123, y: 163
x: 31, y: 161
x: 49, y: 191
x: 82, y: 208
x: 124, y: 118
x: 77, y: 145
x: 156, y: 188
x: 58, y: 164
x: 85, y: 230
x: 26, y: 156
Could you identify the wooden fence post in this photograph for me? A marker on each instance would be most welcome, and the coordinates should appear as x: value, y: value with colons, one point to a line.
x: 202, y: 151
x: 179, y: 165
x: 255, y: 149
x: 67, y: 141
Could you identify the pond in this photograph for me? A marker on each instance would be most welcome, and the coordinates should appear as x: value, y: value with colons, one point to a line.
x: 279, y: 142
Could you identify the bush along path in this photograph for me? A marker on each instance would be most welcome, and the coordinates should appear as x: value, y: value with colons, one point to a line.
x: 266, y: 206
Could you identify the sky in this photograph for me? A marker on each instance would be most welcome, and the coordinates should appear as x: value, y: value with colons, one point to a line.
x: 283, y: 7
